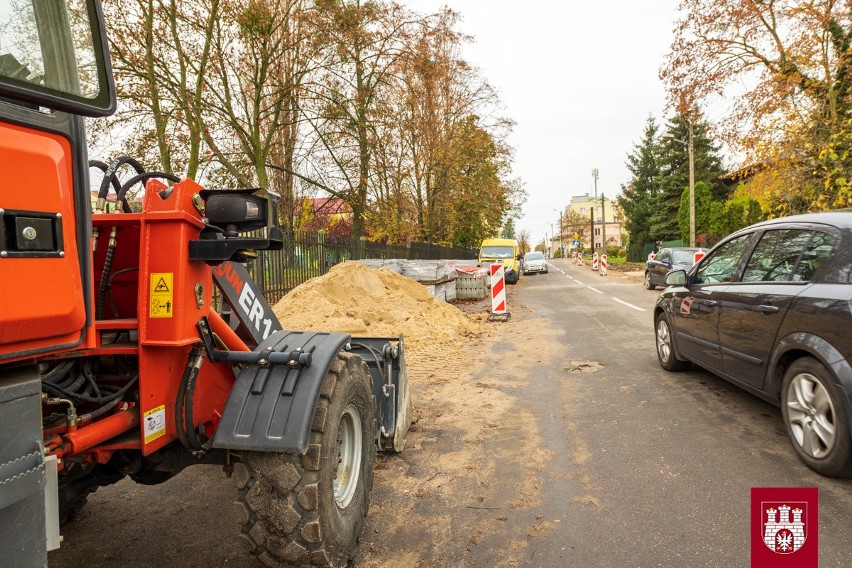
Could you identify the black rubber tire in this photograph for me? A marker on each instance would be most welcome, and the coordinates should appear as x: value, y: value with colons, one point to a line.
x: 76, y: 482
x: 152, y: 477
x: 837, y: 462
x: 666, y: 352
x: 648, y: 285
x: 286, y: 502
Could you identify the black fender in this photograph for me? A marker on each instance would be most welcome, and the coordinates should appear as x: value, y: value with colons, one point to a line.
x: 271, y: 405
x: 822, y: 351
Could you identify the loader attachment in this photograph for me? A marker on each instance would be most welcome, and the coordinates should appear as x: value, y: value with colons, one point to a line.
x: 271, y: 405
x: 386, y: 359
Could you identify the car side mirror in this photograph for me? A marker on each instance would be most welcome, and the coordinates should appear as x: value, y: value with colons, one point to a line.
x: 676, y: 278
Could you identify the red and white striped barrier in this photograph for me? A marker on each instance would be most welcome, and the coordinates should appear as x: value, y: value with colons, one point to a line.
x: 574, y: 257
x: 603, y: 265
x: 595, y: 261
x: 498, y: 293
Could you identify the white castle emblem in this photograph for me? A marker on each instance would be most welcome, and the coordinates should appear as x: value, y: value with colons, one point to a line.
x: 782, y: 535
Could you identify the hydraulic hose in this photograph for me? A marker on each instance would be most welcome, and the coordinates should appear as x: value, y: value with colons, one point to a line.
x: 111, y: 177
x: 56, y: 390
x: 142, y: 176
x: 116, y: 185
x: 104, y: 283
x: 183, y: 407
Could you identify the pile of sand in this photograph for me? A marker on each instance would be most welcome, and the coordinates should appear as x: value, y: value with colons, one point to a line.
x: 361, y: 301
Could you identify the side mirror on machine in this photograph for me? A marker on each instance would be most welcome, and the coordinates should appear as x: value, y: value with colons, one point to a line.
x: 676, y: 278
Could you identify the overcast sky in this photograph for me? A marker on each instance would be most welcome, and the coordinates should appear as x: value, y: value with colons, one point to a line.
x: 578, y: 78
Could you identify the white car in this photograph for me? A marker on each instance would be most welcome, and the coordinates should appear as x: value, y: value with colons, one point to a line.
x: 534, y: 262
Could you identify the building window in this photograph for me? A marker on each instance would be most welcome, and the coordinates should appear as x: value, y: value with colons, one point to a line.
x: 582, y: 210
x: 597, y: 232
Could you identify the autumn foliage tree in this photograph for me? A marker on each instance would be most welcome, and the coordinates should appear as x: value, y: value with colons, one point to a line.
x: 361, y: 100
x: 788, y: 63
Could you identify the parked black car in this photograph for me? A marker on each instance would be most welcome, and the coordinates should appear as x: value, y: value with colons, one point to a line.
x: 665, y: 260
x: 770, y: 310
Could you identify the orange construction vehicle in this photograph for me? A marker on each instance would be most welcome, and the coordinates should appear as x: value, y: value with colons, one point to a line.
x: 114, y: 361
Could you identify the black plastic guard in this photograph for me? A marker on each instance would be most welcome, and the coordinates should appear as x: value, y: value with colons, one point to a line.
x: 256, y: 318
x: 271, y: 408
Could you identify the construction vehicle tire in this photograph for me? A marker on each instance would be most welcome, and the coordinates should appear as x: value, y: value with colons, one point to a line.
x: 300, y: 510
x: 76, y: 482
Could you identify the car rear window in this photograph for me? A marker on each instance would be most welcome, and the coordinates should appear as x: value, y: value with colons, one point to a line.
x: 683, y: 256
x: 815, y: 253
x: 776, y: 255
x: 788, y: 255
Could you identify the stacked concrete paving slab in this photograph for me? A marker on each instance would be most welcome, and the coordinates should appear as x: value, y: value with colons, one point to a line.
x: 439, y: 276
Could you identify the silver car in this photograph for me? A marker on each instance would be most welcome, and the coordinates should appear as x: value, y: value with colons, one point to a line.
x: 534, y: 262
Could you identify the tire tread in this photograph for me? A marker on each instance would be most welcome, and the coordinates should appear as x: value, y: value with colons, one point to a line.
x: 267, y: 497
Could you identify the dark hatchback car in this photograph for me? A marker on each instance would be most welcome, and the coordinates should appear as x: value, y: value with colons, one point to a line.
x: 665, y: 260
x: 770, y: 310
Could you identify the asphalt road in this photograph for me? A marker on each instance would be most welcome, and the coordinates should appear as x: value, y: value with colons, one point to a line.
x: 580, y: 451
x: 671, y: 456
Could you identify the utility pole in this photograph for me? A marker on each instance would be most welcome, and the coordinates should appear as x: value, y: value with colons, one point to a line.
x: 690, y: 147
x: 595, y: 173
x: 561, y: 236
x: 603, y: 223
x: 691, y: 187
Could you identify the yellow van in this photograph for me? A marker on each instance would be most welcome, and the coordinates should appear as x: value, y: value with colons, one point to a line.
x: 505, y: 251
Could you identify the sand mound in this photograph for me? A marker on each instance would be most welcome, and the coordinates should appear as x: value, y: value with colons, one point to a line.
x: 365, y: 302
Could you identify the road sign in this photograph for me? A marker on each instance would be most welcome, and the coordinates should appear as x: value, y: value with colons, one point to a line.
x: 575, y: 243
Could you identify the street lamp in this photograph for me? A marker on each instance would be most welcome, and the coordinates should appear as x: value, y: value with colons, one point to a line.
x: 561, y: 233
x: 691, y: 150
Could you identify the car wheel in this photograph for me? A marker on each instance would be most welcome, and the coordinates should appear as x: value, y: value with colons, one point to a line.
x: 815, y: 417
x: 666, y: 353
x: 648, y: 284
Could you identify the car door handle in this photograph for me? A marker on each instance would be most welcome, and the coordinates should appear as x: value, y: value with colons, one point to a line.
x: 710, y: 303
x: 767, y: 309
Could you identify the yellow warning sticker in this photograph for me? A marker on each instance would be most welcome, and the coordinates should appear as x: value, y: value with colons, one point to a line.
x: 162, y: 295
x: 154, y: 425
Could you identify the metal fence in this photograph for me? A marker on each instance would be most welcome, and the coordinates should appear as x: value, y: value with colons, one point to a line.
x: 308, y: 255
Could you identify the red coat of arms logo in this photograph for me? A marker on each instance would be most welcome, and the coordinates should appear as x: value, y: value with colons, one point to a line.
x: 785, y: 526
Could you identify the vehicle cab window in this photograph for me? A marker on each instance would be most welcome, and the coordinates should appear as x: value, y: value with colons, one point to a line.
x: 53, y: 54
x: 665, y: 255
x: 721, y: 265
x: 775, y: 255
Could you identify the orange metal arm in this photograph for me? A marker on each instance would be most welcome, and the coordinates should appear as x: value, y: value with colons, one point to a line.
x: 220, y: 327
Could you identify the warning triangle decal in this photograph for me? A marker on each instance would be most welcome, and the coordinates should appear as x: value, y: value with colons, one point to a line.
x: 161, y: 286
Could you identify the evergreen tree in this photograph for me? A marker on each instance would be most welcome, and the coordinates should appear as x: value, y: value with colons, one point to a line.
x: 508, y: 231
x: 673, y: 162
x: 637, y: 200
